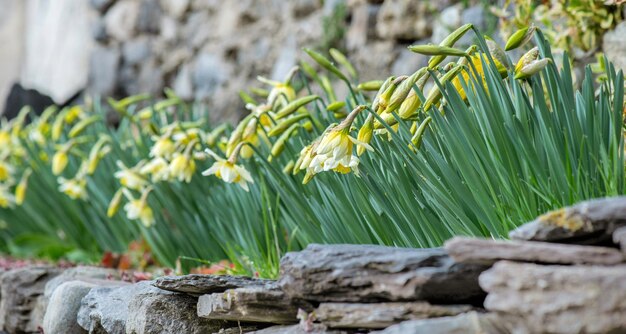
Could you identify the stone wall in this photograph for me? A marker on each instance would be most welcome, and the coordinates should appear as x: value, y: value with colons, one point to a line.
x: 565, y: 272
x: 208, y: 50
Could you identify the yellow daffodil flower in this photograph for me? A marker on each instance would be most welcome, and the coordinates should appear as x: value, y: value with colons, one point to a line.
x: 158, y: 169
x: 182, y: 167
x: 20, y: 189
x: 163, y: 147
x: 139, y: 208
x: 229, y: 171
x: 5, y: 170
x: 130, y: 178
x: 74, y: 188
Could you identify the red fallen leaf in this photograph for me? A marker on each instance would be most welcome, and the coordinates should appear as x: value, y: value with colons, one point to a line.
x: 108, y: 260
x: 124, y: 263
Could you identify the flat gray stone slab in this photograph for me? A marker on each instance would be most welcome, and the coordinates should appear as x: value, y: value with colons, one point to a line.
x: 559, y: 299
x: 468, y: 323
x: 257, y: 304
x: 168, y: 313
x: 381, y: 315
x: 299, y: 329
x: 63, y: 306
x: 590, y: 222
x: 196, y: 284
x: 487, y: 251
x: 21, y: 306
x: 365, y: 273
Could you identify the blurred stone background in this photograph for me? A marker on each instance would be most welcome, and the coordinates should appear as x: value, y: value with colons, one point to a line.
x: 208, y: 50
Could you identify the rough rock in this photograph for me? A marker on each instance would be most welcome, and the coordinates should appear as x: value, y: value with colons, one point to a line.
x: 363, y: 273
x: 619, y: 238
x: 468, y: 323
x: 175, y: 8
x: 63, y: 306
x: 182, y: 84
x: 196, y: 284
x: 381, y: 315
x: 136, y: 50
x: 559, y: 299
x: 614, y: 47
x: 93, y: 275
x: 21, y: 290
x: 447, y: 22
x: 589, y: 222
x: 257, y: 304
x: 121, y: 20
x: 105, y: 309
x: 101, y: 5
x: 486, y: 251
x: 403, y: 20
x: 12, y: 24
x: 57, y: 47
x: 298, y: 329
x: 408, y: 62
x: 148, y: 19
x: 208, y: 74
x: 104, y: 66
x: 82, y: 273
x: 162, y: 312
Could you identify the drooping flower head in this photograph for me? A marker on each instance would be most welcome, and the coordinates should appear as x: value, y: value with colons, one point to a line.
x: 228, y: 170
x: 335, y: 149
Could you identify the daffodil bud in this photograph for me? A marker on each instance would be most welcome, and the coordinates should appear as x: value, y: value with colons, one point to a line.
x: 294, y: 105
x: 383, y: 100
x: 416, y: 140
x: 365, y: 134
x: 18, y: 123
x: 246, y: 98
x: 82, y: 125
x: 285, y: 124
x: 288, y: 169
x: 519, y: 38
x: 97, y: 152
x: 449, y: 42
x: 328, y: 88
x: 437, y: 50
x: 325, y: 63
x: 20, y: 189
x: 381, y: 90
x: 57, y: 126
x: 335, y: 106
x: 403, y: 90
x: 527, y: 58
x: 309, y: 70
x: 250, y: 129
x: 497, y: 53
x: 410, y: 105
x: 237, y: 134
x: 114, y: 205
x: 532, y: 68
x: 370, y: 85
x: 435, y: 94
x: 59, y: 161
x: 260, y: 92
x: 279, y: 145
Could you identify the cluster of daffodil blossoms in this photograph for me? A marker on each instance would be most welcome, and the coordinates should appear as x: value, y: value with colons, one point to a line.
x: 81, y: 137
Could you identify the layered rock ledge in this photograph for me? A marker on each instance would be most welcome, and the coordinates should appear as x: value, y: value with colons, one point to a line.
x: 562, y: 273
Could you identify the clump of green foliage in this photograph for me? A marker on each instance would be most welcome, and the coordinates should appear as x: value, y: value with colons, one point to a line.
x: 491, y: 146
